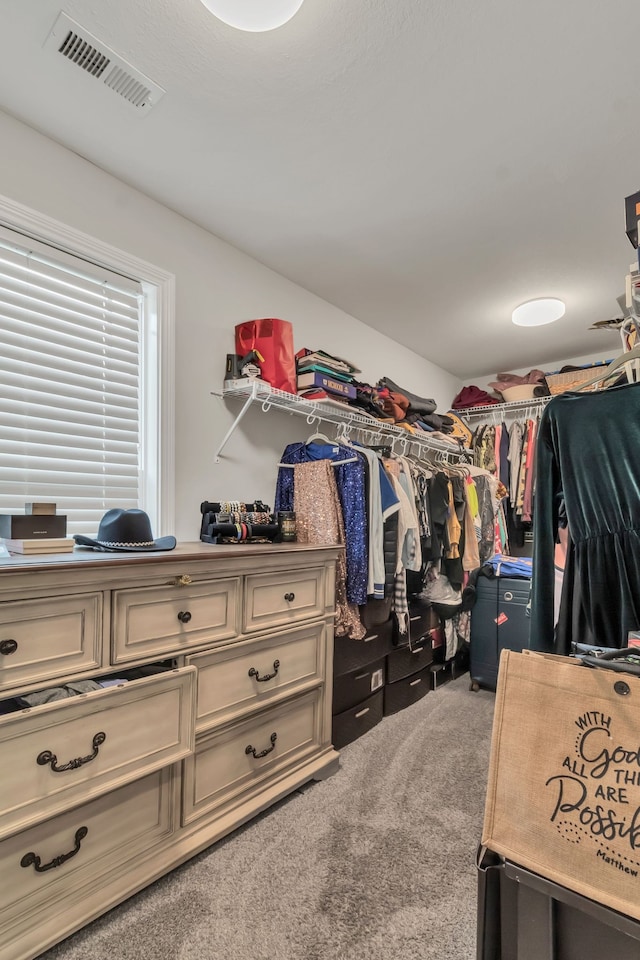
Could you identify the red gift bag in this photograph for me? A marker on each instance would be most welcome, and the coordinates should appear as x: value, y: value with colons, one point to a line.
x: 274, y: 340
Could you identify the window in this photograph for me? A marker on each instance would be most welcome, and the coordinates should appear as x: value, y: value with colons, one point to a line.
x: 80, y: 408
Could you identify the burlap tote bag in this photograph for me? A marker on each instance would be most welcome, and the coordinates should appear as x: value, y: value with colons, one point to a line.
x: 563, y: 796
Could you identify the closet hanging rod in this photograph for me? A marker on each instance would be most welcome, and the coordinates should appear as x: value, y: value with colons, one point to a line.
x: 327, y: 411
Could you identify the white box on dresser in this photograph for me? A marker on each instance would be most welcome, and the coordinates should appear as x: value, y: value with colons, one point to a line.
x: 222, y: 658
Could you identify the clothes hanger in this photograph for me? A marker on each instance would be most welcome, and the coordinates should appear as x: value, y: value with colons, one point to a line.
x: 321, y: 437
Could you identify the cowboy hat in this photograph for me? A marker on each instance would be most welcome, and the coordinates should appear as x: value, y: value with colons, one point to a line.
x: 125, y: 531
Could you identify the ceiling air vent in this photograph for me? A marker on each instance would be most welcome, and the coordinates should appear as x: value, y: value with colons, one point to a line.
x: 82, y: 49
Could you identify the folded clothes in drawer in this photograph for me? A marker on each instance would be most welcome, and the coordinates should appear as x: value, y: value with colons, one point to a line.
x: 69, y: 751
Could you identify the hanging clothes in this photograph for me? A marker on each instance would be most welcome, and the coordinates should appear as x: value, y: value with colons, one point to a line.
x: 319, y: 521
x: 439, y: 509
x: 382, y: 503
x: 471, y: 555
x: 452, y: 563
x: 516, y: 437
x: 421, y: 476
x: 589, y: 458
x: 350, y: 480
x: 407, y: 546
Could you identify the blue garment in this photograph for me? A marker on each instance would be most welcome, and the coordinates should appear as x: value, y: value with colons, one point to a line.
x: 350, y: 480
x: 388, y: 496
x: 511, y: 566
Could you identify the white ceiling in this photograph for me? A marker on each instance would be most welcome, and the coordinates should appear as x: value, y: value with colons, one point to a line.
x: 426, y: 165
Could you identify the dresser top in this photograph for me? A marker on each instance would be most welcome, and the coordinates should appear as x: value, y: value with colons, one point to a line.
x: 195, y: 551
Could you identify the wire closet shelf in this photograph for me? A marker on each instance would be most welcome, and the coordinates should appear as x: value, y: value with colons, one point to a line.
x: 257, y: 391
x: 498, y: 411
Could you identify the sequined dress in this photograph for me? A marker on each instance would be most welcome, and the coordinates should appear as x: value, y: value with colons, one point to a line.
x: 319, y: 521
x: 350, y: 482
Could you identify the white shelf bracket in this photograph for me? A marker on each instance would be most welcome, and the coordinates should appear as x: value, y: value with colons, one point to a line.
x: 235, y: 423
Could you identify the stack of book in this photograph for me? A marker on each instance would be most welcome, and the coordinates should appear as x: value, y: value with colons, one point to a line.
x: 321, y: 376
x: 39, y: 545
x: 40, y: 529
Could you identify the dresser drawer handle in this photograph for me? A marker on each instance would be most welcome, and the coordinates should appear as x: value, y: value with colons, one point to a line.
x: 8, y: 646
x: 46, y: 757
x: 289, y: 596
x: 184, y: 616
x: 414, y: 683
x: 32, y: 859
x: 254, y: 672
x: 262, y: 753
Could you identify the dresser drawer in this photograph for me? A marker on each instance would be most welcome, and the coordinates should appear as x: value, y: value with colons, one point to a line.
x: 229, y: 763
x: 153, y: 621
x: 237, y: 679
x: 274, y: 599
x: 71, y: 750
x: 45, y: 868
x: 47, y: 637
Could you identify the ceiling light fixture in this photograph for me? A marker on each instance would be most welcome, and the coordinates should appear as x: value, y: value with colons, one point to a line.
x: 255, y: 16
x: 534, y: 313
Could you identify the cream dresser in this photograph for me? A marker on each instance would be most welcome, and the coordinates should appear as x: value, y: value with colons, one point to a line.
x: 218, y: 661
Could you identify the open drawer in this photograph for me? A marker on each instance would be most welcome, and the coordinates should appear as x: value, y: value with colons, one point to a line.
x: 67, y: 752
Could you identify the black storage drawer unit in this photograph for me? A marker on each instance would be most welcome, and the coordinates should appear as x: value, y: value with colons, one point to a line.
x: 523, y: 916
x: 402, y: 662
x: 441, y: 673
x: 350, y: 689
x: 422, y: 619
x: 499, y: 621
x: 351, y: 724
x: 349, y: 654
x: 402, y: 693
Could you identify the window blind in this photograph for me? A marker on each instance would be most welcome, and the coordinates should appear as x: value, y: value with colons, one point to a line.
x: 70, y: 406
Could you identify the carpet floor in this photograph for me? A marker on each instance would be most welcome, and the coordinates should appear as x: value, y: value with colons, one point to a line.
x: 375, y: 863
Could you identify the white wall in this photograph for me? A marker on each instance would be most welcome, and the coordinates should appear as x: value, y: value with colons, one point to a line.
x: 217, y: 286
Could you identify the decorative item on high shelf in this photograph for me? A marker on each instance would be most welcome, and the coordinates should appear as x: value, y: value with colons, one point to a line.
x: 569, y: 379
x: 270, y: 341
